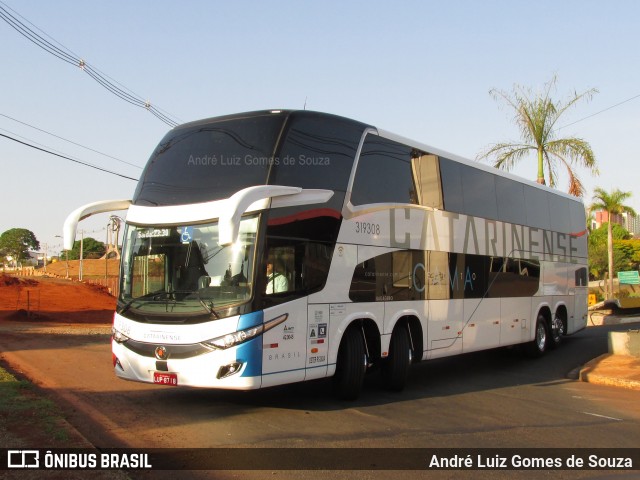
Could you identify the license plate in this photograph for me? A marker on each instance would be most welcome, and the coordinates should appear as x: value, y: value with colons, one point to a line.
x: 165, y: 378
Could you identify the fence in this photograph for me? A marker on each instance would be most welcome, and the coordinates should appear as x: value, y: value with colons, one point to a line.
x: 28, y: 300
x: 111, y: 283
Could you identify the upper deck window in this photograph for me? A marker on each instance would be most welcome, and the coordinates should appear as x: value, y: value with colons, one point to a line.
x: 318, y: 151
x: 210, y: 160
x: 213, y: 159
x: 384, y: 173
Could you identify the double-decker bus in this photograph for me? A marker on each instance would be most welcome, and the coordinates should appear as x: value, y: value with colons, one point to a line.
x: 278, y: 246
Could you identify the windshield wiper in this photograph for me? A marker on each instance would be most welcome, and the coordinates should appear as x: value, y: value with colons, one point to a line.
x: 154, y: 296
x: 149, y: 296
x: 209, y: 307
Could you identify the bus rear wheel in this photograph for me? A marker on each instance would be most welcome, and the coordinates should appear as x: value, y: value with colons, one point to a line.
x: 558, y: 329
x: 351, y: 366
x: 395, y: 368
x: 540, y: 342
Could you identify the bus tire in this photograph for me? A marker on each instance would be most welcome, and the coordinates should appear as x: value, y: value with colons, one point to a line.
x: 395, y: 368
x: 540, y: 342
x: 558, y: 330
x: 351, y: 366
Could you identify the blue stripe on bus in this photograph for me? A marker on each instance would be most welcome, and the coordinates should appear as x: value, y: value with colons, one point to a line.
x: 250, y: 353
x: 250, y: 320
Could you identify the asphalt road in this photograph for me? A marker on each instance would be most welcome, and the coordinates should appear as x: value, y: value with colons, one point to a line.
x: 489, y: 399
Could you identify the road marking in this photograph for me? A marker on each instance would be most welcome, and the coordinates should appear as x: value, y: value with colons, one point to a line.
x: 603, y: 416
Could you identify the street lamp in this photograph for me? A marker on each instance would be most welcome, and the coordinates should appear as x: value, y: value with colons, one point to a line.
x: 81, y: 255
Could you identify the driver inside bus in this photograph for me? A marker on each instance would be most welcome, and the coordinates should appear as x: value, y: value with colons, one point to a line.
x: 276, y: 280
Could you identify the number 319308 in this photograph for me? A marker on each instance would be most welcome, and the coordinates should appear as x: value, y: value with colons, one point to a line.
x: 368, y: 228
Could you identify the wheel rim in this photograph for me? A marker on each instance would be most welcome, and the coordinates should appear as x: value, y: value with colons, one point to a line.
x: 541, y: 336
x: 558, y: 328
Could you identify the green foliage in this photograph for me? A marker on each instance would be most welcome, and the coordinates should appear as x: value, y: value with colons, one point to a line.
x: 599, y: 263
x: 537, y: 114
x: 17, y: 242
x: 599, y: 235
x: 614, y: 204
x: 630, y: 249
x: 91, y: 248
x: 626, y: 251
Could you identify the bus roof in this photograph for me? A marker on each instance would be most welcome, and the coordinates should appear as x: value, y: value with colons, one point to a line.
x: 386, y: 134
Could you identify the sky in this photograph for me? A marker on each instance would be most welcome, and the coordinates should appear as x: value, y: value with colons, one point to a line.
x: 421, y: 69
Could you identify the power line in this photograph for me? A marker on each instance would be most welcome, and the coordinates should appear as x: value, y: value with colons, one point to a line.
x: 601, y: 111
x: 66, y: 55
x: 33, y: 142
x: 70, y: 141
x: 74, y: 59
x: 39, y: 29
x: 67, y: 158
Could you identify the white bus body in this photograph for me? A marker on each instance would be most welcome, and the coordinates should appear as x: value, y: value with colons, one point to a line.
x: 389, y: 252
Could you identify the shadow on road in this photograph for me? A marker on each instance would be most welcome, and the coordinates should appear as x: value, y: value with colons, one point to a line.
x: 467, y: 373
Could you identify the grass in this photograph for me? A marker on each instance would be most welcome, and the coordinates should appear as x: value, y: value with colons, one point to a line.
x: 26, y: 417
x: 29, y: 420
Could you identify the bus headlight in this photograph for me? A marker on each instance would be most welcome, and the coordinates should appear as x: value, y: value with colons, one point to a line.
x: 236, y: 338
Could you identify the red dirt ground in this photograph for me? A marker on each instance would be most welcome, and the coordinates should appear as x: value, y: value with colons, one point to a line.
x: 56, y: 300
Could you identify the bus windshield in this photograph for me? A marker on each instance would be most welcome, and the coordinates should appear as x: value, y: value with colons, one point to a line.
x: 182, y: 269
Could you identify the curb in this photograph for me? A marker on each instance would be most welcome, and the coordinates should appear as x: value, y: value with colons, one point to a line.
x: 612, y: 370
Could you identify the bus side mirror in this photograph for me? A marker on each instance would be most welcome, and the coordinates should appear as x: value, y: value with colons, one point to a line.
x: 71, y: 223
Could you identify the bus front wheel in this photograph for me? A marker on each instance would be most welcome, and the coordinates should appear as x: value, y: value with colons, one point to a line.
x: 351, y: 366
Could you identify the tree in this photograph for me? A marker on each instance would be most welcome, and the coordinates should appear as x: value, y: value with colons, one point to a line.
x: 91, y: 248
x: 613, y: 204
x: 598, y: 255
x: 17, y: 242
x: 537, y: 116
x: 630, y: 248
x: 600, y: 235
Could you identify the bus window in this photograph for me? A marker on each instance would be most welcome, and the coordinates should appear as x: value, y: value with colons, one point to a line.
x: 280, y: 266
x: 302, y: 246
x: 383, y: 174
x: 537, y: 207
x: 451, y: 185
x: 479, y: 193
x: 511, y: 206
x: 426, y: 174
x: 148, y: 274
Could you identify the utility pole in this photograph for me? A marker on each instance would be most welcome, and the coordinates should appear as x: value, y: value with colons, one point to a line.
x: 66, y: 256
x: 106, y: 253
x: 45, y: 257
x: 113, y: 228
x: 81, y: 254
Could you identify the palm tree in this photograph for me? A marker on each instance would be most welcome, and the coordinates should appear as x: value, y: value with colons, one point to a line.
x: 537, y: 116
x: 613, y: 204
